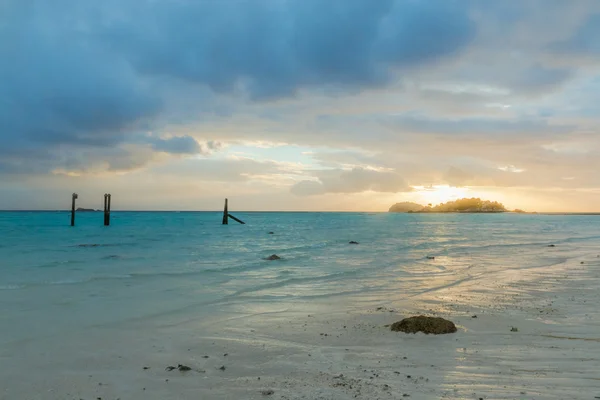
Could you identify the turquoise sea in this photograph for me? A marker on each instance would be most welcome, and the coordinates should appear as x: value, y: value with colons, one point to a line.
x: 168, y: 268
x: 149, y: 263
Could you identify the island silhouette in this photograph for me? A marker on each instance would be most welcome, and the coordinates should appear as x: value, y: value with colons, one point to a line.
x: 466, y: 205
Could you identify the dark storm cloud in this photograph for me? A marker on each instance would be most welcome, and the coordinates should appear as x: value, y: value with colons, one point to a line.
x: 58, y: 88
x: 275, y: 47
x: 86, y: 74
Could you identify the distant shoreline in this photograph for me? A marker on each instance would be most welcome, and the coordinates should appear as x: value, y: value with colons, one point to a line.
x: 592, y: 213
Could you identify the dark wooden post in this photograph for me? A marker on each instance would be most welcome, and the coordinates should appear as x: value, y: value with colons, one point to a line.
x: 108, y: 211
x: 225, y: 214
x: 74, y: 196
x: 105, y: 204
x: 236, y: 219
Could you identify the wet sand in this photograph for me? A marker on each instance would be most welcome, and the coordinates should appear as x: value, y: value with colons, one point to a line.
x: 536, y: 335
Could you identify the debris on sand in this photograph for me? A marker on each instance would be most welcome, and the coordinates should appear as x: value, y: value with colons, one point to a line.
x: 551, y: 245
x: 430, y: 257
x: 180, y: 367
x: 421, y: 323
x: 222, y: 368
x: 267, y: 392
x: 273, y: 257
x: 514, y: 329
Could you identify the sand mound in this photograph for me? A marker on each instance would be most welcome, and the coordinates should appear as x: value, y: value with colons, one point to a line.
x: 424, y: 324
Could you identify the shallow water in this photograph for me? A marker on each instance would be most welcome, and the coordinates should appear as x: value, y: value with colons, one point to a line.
x: 159, y: 269
x: 149, y: 264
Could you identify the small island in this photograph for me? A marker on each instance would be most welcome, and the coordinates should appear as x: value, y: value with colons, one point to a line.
x: 473, y: 205
x: 85, y: 209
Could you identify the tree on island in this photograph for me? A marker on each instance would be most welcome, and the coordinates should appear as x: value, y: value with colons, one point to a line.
x: 473, y: 205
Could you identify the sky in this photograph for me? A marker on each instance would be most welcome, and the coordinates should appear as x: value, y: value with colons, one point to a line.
x: 326, y: 105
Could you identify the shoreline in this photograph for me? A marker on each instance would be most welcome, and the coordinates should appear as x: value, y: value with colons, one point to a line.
x: 332, y: 349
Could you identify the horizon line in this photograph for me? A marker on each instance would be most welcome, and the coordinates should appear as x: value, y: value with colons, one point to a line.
x: 313, y: 211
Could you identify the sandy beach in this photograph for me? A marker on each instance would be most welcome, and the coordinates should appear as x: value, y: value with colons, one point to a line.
x: 342, y: 349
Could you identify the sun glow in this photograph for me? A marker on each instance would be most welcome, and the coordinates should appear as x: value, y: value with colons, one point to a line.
x: 436, y: 194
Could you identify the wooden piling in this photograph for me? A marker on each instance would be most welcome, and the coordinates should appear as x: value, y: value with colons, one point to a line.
x: 73, y: 198
x: 107, y: 209
x: 225, y: 214
x: 236, y: 219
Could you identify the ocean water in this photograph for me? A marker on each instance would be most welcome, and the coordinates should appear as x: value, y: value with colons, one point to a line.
x: 149, y: 264
x: 157, y: 269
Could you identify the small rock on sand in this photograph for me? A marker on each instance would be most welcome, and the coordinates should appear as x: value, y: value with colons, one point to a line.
x: 273, y: 257
x: 421, y: 323
x: 180, y: 367
x: 430, y: 257
x: 267, y: 392
x: 551, y: 245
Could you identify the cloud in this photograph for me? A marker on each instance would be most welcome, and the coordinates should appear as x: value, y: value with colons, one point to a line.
x: 355, y: 180
x: 58, y: 85
x: 92, y: 74
x: 230, y: 170
x: 474, y: 127
x: 101, y: 161
x: 457, y: 177
x: 175, y: 145
x: 275, y: 48
x: 584, y: 41
x: 60, y: 91
x: 380, y: 93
